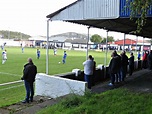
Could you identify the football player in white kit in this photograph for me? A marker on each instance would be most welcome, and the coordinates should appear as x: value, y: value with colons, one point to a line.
x: 4, y: 56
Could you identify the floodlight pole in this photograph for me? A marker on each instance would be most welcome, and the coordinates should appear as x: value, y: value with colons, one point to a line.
x: 105, y: 60
x: 124, y: 41
x: 106, y: 49
x: 143, y: 44
x: 136, y: 43
x: 87, y: 44
x: 47, y: 49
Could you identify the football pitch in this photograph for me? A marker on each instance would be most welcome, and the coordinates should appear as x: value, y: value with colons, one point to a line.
x: 13, y: 68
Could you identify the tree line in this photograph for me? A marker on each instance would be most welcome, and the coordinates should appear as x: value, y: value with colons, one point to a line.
x: 98, y: 39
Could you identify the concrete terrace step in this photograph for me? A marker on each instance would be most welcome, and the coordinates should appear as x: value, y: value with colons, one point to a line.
x: 138, y: 75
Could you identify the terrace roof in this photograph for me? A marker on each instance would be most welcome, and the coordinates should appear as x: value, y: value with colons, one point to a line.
x: 77, y: 12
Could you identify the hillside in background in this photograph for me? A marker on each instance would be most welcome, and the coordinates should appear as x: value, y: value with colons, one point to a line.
x: 13, y: 35
x: 5, y: 34
x: 71, y: 35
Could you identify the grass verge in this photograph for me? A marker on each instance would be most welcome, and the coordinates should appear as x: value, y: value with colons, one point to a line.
x: 11, y: 94
x: 117, y: 101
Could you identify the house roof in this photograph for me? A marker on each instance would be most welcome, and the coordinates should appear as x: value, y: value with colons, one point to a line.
x: 42, y: 38
x: 76, y: 41
x: 127, y: 41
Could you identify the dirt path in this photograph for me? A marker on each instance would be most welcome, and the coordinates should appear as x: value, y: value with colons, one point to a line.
x: 29, y: 108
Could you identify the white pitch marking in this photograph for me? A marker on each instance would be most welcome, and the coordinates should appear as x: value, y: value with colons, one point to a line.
x: 9, y: 74
x: 11, y: 87
x: 10, y: 83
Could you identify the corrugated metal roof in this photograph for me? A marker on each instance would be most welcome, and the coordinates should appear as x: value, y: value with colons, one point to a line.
x: 88, y: 9
x: 101, y: 9
x: 103, y: 14
x: 56, y: 15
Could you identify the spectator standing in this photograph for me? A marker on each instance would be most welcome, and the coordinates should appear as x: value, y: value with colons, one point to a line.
x: 150, y: 60
x: 94, y: 70
x: 113, y: 68
x: 118, y: 75
x: 4, y: 56
x: 124, y: 64
x: 145, y: 55
x: 131, y: 64
x: 64, y: 57
x: 88, y: 70
x: 29, y: 73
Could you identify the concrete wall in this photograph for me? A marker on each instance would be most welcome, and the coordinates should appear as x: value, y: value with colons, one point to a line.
x: 63, y: 84
x: 54, y: 86
x: 11, y: 42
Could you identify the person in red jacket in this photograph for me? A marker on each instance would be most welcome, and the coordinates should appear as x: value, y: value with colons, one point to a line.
x: 145, y: 55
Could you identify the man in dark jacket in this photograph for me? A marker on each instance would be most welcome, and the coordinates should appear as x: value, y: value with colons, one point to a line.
x: 29, y: 73
x: 131, y: 64
x: 124, y: 64
x: 118, y: 75
x: 113, y: 67
x: 150, y: 60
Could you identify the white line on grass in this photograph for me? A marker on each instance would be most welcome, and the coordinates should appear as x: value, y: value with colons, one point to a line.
x: 9, y: 74
x: 3, y: 84
x: 11, y: 87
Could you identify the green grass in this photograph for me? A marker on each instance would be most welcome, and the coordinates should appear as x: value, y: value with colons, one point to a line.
x: 16, y: 60
x: 12, y: 69
x: 118, y: 101
x: 11, y: 94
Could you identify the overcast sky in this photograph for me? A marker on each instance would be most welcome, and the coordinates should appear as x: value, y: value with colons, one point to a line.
x: 29, y: 17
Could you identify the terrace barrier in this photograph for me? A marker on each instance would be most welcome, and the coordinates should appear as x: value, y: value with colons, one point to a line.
x: 54, y: 86
x: 101, y: 74
x: 63, y: 84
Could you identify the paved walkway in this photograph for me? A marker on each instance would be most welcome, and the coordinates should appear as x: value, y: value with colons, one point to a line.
x: 139, y: 81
